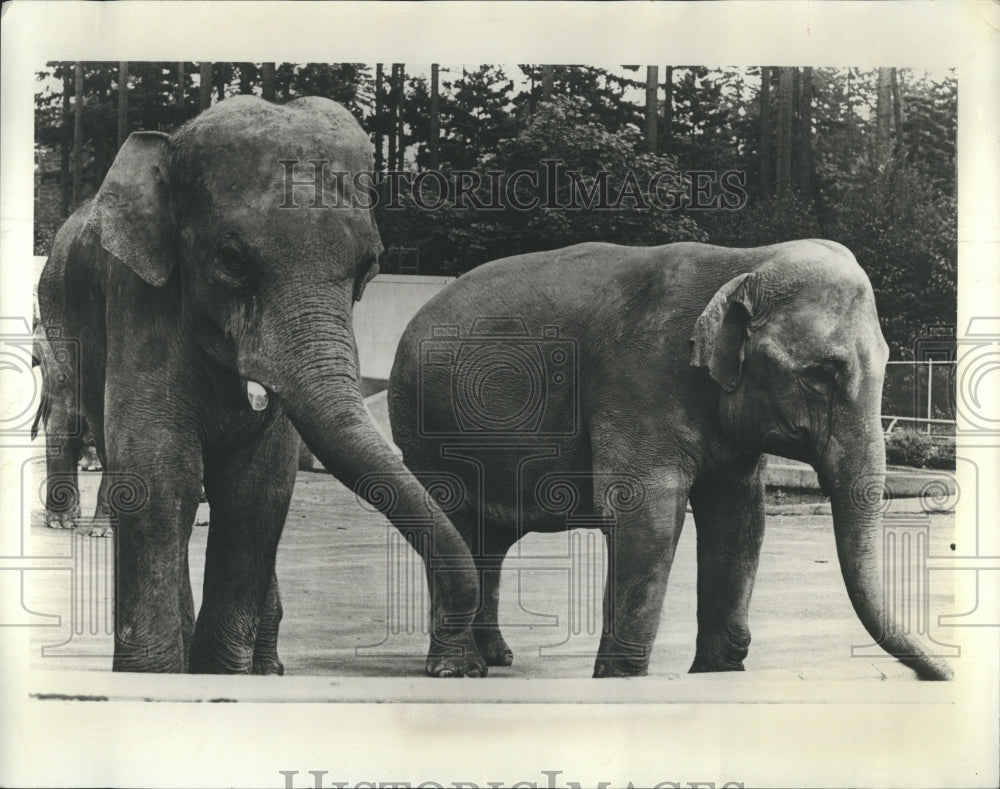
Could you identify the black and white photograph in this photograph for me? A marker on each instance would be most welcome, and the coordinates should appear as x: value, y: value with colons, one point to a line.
x: 656, y: 403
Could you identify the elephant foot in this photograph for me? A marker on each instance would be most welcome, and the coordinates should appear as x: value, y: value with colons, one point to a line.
x: 493, y: 648
x: 101, y: 530
x: 456, y: 658
x: 703, y: 665
x: 62, y: 520
x: 724, y: 652
x: 269, y: 666
x: 608, y: 667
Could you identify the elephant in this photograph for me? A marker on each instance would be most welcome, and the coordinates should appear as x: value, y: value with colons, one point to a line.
x: 210, y: 285
x: 620, y: 384
x: 69, y: 441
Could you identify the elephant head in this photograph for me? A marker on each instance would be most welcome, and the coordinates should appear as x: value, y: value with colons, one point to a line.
x: 796, y: 350
x: 251, y: 218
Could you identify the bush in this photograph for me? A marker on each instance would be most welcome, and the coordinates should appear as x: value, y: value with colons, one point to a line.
x: 910, y: 448
x: 944, y: 456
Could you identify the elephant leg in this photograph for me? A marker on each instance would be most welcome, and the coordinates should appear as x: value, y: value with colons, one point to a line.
x: 151, y: 529
x: 248, y: 490
x: 641, y: 544
x: 265, y: 649
x: 62, y: 490
x: 486, y: 629
x: 728, y: 512
x: 102, y: 512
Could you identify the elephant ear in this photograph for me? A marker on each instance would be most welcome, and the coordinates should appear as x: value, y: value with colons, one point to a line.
x: 721, y: 331
x: 131, y: 213
x: 368, y: 266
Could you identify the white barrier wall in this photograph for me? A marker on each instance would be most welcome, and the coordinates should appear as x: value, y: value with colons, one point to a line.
x: 389, y: 303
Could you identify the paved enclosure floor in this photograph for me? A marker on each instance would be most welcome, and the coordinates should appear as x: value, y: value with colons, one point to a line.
x: 355, y: 605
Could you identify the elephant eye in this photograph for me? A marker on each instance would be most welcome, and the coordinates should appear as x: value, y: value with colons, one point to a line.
x: 231, y: 267
x: 821, y: 377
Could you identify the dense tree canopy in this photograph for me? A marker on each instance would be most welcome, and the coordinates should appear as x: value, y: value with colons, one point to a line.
x: 734, y: 156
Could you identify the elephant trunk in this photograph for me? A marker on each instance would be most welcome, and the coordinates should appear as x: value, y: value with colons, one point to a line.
x: 857, y: 503
x: 319, y: 389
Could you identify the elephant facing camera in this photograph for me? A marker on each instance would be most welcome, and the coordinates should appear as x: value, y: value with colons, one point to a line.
x: 499, y: 379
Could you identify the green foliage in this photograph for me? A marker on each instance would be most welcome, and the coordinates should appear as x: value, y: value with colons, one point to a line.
x: 455, y: 239
x: 904, y: 235
x: 910, y: 448
x: 944, y: 456
x: 897, y: 216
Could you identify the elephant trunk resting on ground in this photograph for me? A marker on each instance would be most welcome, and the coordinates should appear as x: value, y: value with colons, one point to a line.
x: 212, y: 304
x: 638, y: 379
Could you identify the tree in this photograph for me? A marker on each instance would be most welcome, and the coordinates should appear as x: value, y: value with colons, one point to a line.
x: 651, y: 109
x: 784, y: 153
x: 765, y: 130
x: 267, y: 78
x: 883, y: 114
x: 668, y: 109
x: 205, y: 87
x: 400, y: 92
x: 548, y: 79
x: 805, y: 133
x: 377, y: 118
x: 898, y: 113
x: 78, y: 134
x: 434, y: 131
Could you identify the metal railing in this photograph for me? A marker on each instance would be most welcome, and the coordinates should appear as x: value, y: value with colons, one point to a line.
x: 920, y: 394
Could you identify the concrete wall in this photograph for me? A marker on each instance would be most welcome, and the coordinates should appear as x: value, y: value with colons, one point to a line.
x: 390, y: 301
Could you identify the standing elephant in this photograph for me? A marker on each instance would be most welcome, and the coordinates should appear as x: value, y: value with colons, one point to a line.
x: 68, y: 438
x: 636, y: 380
x: 210, y: 283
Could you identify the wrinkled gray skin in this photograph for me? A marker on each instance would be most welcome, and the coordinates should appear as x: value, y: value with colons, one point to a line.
x: 184, y: 280
x: 67, y: 438
x: 693, y: 361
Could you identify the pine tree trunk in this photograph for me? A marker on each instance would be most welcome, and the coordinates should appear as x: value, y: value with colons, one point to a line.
x: 78, y: 135
x: 786, y: 81
x: 805, y: 133
x: 378, y: 118
x: 65, y: 142
x: 668, y: 109
x: 899, y: 113
x: 180, y: 85
x: 548, y: 77
x: 652, y: 84
x: 765, y: 131
x: 883, y: 113
x: 101, y: 164
x: 205, y: 88
x: 246, y: 85
x: 122, y: 102
x: 392, y: 117
x: 267, y: 77
x: 400, y: 143
x: 435, y: 121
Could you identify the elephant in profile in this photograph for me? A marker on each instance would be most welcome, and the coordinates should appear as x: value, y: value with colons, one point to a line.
x: 633, y: 381
x: 210, y: 285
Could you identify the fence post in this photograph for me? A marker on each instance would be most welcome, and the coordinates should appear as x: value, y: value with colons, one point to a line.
x: 930, y: 391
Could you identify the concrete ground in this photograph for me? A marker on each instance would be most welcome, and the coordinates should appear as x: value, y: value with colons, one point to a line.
x: 355, y: 600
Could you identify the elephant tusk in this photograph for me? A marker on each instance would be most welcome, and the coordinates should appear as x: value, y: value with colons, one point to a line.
x: 257, y: 395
